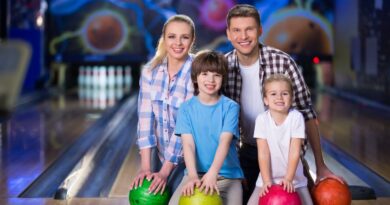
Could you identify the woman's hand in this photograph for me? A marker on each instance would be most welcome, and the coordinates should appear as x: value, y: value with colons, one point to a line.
x: 159, y: 182
x: 137, y: 182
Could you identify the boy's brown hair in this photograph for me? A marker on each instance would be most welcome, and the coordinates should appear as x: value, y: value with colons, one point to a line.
x: 211, y: 61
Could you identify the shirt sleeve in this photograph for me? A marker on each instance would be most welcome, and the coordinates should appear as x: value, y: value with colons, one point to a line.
x: 146, y: 136
x: 230, y: 123
x: 302, y: 96
x: 183, y: 125
x: 260, y: 127
x: 298, y: 126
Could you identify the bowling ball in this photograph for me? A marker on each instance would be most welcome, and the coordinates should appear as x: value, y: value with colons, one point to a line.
x: 278, y: 196
x: 331, y: 192
x: 200, y: 198
x: 140, y: 196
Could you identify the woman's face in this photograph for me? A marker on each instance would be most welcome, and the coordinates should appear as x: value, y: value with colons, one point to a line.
x: 178, y: 40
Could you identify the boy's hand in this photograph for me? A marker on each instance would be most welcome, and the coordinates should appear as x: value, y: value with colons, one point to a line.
x: 188, y: 189
x: 209, y: 183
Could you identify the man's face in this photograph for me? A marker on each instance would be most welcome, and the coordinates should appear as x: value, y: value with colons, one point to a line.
x: 244, y: 34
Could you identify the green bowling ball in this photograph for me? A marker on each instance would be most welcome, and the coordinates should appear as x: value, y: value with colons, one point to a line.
x: 140, y: 196
x: 200, y: 198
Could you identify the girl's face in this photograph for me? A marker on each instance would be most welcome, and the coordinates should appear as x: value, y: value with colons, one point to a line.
x: 178, y: 40
x: 209, y: 83
x: 278, y: 96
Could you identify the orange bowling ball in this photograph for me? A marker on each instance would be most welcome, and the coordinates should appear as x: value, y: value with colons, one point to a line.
x: 331, y: 192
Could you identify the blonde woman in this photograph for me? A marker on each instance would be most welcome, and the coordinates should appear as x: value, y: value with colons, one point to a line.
x: 164, y: 84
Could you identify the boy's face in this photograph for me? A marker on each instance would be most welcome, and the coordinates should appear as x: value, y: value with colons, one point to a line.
x: 278, y: 96
x: 209, y: 83
x: 244, y: 33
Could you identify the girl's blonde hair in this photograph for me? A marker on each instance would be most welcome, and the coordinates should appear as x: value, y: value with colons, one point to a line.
x: 278, y: 77
x: 161, y: 52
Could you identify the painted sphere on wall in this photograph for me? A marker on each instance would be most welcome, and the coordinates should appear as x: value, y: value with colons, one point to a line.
x: 104, y: 32
x: 298, y: 34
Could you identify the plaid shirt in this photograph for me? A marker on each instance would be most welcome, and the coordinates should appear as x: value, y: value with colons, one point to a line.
x: 271, y: 61
x: 158, y: 104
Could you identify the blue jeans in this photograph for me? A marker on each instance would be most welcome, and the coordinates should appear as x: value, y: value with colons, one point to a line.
x: 176, y: 175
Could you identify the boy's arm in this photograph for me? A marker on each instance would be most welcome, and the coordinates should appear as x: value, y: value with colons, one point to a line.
x: 190, y: 161
x: 209, y: 180
x: 189, y: 154
x: 222, y: 150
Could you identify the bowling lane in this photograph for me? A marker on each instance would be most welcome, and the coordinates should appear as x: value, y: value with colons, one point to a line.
x: 33, y: 136
x: 361, y: 131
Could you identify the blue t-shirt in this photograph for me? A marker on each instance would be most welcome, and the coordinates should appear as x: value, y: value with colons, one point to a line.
x: 206, y: 123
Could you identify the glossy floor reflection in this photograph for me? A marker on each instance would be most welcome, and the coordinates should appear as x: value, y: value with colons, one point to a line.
x: 361, y: 131
x: 34, y: 136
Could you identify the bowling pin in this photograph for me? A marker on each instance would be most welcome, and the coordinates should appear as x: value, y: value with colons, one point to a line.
x: 111, y: 77
x: 119, y: 77
x: 81, y: 77
x: 128, y: 79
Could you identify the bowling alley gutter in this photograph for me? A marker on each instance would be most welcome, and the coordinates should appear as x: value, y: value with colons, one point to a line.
x: 67, y: 175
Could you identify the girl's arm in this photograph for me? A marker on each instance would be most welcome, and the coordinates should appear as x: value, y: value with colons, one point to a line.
x: 264, y: 164
x: 190, y: 161
x: 209, y: 180
x: 293, y: 160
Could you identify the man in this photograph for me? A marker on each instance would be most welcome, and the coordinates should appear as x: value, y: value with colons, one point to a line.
x: 249, y: 65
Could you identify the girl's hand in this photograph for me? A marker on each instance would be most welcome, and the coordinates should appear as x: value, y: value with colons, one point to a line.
x: 209, y: 183
x: 264, y: 189
x: 188, y: 188
x: 287, y: 185
x: 137, y: 182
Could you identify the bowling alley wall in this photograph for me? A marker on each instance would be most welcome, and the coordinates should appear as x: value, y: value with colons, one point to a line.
x: 361, y: 59
x: 338, y: 44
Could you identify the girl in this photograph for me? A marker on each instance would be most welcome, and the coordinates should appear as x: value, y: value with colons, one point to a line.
x: 279, y: 133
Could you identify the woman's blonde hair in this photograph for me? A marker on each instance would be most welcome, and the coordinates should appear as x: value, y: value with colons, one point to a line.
x: 161, y: 51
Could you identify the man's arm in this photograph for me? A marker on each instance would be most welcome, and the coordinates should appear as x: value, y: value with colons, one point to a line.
x: 315, y: 143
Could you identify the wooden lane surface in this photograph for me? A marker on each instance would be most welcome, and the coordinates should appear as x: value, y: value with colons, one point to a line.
x: 127, y: 172
x: 360, y: 131
x: 35, y: 136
